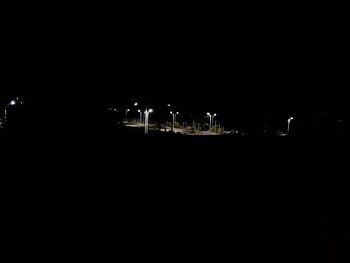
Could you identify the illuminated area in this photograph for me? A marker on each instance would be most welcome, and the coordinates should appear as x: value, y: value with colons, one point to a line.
x: 160, y: 117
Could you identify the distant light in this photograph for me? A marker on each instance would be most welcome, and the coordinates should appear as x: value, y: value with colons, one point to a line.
x: 292, y: 118
x: 13, y: 102
x: 169, y: 105
x: 128, y: 110
x: 177, y: 113
x: 215, y: 115
x: 171, y: 112
x: 150, y: 110
x: 135, y: 104
x: 139, y: 111
x: 208, y: 114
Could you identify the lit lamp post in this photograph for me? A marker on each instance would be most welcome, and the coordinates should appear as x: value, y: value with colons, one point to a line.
x: 139, y: 111
x: 147, y: 112
x: 126, y: 114
x: 174, y: 119
x: 289, y: 120
x: 12, y: 103
x: 211, y: 120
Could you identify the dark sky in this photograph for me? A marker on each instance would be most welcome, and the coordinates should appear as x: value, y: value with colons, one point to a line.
x: 246, y: 56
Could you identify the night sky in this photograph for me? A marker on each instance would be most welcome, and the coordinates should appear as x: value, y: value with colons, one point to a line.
x: 235, y: 60
x: 101, y: 195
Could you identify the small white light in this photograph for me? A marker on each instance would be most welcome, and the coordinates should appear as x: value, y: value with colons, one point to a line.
x: 177, y: 113
x: 150, y: 110
x: 13, y: 102
x: 171, y: 112
x: 135, y: 104
x: 169, y: 105
x: 208, y: 113
x: 138, y: 111
x: 127, y: 110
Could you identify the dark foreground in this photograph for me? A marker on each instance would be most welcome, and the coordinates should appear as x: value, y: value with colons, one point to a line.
x: 175, y: 199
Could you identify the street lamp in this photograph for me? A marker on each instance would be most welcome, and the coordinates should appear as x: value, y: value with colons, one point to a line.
x: 147, y: 112
x: 210, y: 120
x: 12, y: 103
x: 214, y: 123
x: 289, y: 120
x: 174, y: 119
x: 139, y: 111
x: 136, y: 104
x: 126, y: 114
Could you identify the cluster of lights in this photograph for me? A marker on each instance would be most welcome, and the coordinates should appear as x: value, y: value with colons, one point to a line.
x: 173, y: 114
x: 144, y: 116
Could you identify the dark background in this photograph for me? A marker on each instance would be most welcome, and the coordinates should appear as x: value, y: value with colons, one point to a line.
x: 82, y: 193
x: 238, y: 60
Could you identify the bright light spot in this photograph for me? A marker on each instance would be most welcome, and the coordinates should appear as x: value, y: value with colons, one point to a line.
x: 127, y: 110
x: 177, y: 113
x: 138, y: 111
x: 208, y: 114
x: 150, y: 110
x: 169, y: 105
x: 171, y: 112
x: 13, y: 102
x: 135, y: 104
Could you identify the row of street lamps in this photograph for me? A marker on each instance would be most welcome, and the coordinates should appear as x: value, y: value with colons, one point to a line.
x: 174, y: 114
